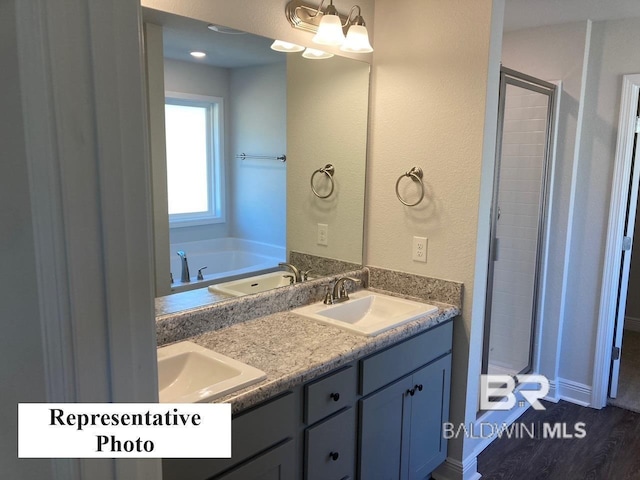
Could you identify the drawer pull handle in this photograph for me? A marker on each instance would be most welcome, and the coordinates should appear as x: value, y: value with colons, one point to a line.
x: 334, y: 456
x: 335, y: 397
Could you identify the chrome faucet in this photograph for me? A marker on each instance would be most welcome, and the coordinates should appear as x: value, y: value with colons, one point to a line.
x: 339, y: 293
x: 184, y: 278
x: 297, y: 275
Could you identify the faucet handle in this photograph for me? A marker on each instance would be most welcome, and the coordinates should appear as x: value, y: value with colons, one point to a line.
x: 328, y: 295
x: 200, y: 276
x: 304, y: 274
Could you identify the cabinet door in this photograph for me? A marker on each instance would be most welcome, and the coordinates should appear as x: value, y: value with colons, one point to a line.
x: 381, y: 420
x: 276, y: 464
x: 429, y: 410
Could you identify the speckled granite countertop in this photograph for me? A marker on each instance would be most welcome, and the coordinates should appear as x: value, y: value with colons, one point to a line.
x: 293, y: 350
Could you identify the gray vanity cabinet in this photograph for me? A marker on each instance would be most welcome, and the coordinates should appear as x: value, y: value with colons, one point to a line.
x: 262, y: 445
x: 401, y: 425
x: 330, y: 439
x: 331, y: 448
x: 401, y: 418
x: 276, y: 464
x: 380, y: 417
x: 382, y: 424
x: 429, y: 410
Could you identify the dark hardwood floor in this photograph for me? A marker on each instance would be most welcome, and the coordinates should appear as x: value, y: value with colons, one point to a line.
x: 610, y: 450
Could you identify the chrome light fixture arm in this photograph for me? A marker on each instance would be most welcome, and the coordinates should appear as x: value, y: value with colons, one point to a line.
x: 358, y: 20
x: 305, y: 17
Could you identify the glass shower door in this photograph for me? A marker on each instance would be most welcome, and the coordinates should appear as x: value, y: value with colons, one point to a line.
x: 518, y: 212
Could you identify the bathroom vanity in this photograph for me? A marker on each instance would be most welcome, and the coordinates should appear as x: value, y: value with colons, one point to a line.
x: 334, y: 404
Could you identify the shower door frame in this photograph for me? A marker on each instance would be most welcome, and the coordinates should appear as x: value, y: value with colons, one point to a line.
x: 522, y: 80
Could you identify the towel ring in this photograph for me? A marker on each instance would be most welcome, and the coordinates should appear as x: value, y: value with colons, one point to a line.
x: 416, y: 175
x: 328, y: 170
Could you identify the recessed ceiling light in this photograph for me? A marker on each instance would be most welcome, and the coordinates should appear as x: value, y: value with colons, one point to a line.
x: 198, y: 54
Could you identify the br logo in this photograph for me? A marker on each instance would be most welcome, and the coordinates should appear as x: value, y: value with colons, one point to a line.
x: 497, y: 391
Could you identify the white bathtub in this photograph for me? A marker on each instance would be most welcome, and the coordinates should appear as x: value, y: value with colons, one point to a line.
x: 225, y: 259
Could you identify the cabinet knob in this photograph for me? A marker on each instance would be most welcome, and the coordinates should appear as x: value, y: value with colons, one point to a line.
x: 334, y: 456
x: 418, y: 387
x: 411, y: 391
x: 335, y: 397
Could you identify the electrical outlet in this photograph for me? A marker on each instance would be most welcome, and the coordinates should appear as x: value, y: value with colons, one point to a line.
x: 419, y: 253
x: 323, y: 234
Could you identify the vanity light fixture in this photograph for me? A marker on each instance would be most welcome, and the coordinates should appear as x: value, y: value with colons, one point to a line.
x: 198, y: 54
x: 286, y: 47
x: 357, y: 40
x: 329, y: 26
x: 313, y: 54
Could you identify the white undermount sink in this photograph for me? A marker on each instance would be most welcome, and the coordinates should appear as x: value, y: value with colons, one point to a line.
x: 367, y: 313
x: 189, y: 373
x: 255, y: 284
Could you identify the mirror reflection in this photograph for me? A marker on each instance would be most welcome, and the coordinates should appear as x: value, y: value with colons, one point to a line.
x: 236, y: 136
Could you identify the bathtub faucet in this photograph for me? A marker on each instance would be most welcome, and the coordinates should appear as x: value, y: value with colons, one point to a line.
x: 184, y: 278
x: 297, y: 276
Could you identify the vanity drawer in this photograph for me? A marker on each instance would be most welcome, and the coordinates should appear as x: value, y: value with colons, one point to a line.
x: 330, y: 394
x: 388, y: 365
x: 252, y: 432
x: 331, y: 448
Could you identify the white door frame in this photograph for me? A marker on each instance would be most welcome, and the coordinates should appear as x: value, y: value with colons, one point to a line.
x: 615, y: 233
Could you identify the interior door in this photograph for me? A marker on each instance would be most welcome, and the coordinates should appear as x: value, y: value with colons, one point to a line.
x: 624, y: 269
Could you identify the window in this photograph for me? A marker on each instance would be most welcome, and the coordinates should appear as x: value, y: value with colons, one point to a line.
x: 193, y: 125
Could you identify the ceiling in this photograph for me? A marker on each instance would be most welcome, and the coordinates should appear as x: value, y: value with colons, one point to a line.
x: 534, y: 13
x: 182, y: 35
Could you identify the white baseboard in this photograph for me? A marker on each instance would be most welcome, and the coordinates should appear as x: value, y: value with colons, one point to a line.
x: 574, y: 392
x: 632, y: 323
x: 453, y: 469
x: 553, y: 395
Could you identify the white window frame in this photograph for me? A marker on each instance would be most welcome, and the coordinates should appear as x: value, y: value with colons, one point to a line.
x: 216, y: 212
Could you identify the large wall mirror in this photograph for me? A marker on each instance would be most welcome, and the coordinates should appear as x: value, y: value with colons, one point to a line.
x: 220, y: 128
